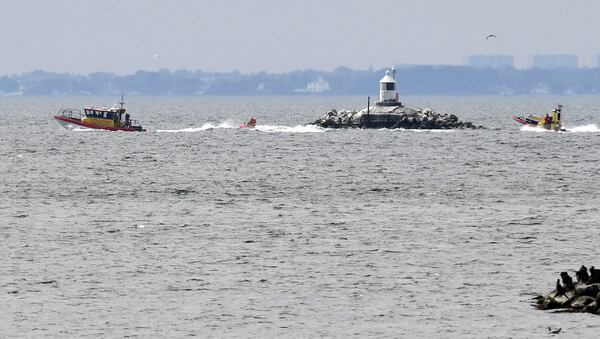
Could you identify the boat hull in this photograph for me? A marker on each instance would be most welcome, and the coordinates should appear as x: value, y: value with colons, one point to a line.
x: 534, y: 123
x: 524, y: 121
x: 71, y: 123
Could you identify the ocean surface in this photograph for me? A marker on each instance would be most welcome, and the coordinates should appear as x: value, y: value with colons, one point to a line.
x: 199, y: 228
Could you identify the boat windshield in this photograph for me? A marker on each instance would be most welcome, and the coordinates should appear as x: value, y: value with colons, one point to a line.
x: 101, y: 114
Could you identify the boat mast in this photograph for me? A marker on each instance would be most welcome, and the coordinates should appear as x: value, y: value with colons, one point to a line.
x: 122, y: 103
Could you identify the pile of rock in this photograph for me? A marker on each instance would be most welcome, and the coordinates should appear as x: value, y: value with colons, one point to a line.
x: 392, y: 117
x: 580, y: 296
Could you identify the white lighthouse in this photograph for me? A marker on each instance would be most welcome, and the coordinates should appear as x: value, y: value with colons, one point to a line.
x: 388, y: 96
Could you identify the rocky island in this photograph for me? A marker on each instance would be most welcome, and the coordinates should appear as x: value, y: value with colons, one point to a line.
x: 582, y: 295
x: 389, y: 112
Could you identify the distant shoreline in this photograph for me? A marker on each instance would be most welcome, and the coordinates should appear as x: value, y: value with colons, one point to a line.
x: 412, y: 80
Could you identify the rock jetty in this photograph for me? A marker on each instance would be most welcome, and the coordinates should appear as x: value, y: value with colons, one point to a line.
x: 392, y: 117
x: 582, y: 295
x: 389, y: 112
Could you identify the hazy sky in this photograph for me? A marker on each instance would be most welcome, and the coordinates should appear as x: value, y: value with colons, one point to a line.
x: 122, y: 36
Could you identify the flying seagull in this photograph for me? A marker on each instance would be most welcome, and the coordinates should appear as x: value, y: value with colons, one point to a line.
x: 490, y: 36
x: 156, y: 56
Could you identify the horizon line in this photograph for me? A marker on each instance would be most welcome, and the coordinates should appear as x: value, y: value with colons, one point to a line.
x: 370, y: 69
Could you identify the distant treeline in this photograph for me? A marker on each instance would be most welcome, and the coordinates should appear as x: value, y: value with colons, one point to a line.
x: 416, y: 80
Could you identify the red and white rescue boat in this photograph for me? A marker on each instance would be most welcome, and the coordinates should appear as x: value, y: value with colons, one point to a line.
x: 110, y: 119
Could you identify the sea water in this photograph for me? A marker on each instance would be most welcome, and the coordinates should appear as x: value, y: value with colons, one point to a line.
x: 197, y: 227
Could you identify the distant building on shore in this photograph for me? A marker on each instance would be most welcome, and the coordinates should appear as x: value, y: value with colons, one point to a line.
x: 493, y: 61
x: 548, y: 61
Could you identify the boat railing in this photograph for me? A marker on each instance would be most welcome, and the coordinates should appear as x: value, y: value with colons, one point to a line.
x: 71, y: 113
x: 134, y: 123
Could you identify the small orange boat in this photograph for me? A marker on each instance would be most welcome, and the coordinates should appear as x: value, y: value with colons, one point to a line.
x: 250, y: 124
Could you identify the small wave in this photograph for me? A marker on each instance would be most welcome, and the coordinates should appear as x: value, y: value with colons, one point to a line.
x: 260, y: 128
x: 577, y: 129
x: 290, y: 129
x: 584, y: 129
x: 527, y: 128
x: 423, y: 130
x: 207, y: 126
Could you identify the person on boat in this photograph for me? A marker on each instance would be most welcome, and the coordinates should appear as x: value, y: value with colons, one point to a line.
x: 126, y: 119
x: 546, y: 119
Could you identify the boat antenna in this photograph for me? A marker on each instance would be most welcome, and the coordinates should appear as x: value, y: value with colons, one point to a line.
x: 122, y: 103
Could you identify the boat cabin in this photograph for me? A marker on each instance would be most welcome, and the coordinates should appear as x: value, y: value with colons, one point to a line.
x: 114, y: 116
x: 101, y: 113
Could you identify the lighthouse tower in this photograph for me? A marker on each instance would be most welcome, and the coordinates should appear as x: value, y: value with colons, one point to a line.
x: 388, y: 96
